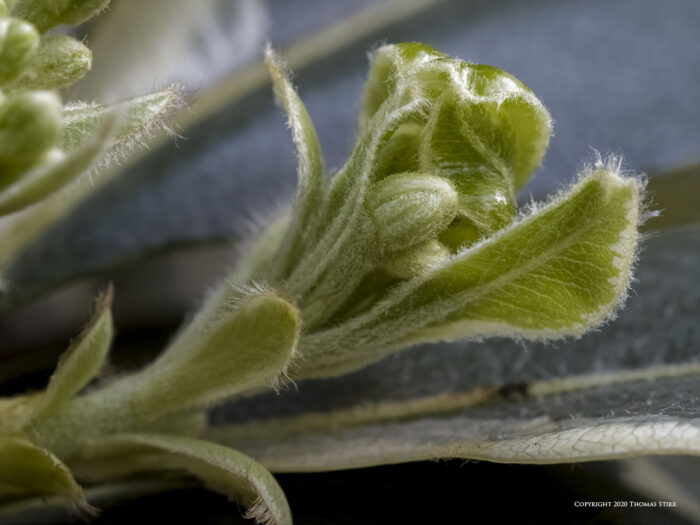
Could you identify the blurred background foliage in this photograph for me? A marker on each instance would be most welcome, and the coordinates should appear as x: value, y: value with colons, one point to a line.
x: 619, y: 77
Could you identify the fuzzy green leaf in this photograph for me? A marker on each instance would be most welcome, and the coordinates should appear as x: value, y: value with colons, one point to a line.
x: 82, y: 361
x: 142, y: 116
x: 482, y: 118
x: 247, y: 346
x: 310, y: 163
x: 222, y: 469
x: 558, y: 271
x: 27, y: 470
x: 501, y: 116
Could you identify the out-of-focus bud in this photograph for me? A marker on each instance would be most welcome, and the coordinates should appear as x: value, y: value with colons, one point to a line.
x: 409, y: 208
x: 30, y: 125
x: 417, y: 260
x: 18, y: 43
x: 46, y: 14
x: 59, y: 62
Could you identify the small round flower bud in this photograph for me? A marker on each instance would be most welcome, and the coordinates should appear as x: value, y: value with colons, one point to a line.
x: 417, y: 260
x: 59, y: 62
x: 30, y: 124
x: 409, y: 208
x: 18, y: 43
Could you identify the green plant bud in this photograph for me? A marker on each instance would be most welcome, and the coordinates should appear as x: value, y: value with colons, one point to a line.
x: 409, y: 208
x: 59, y: 62
x: 417, y: 260
x: 400, y: 153
x: 30, y: 125
x: 45, y: 14
x: 18, y: 43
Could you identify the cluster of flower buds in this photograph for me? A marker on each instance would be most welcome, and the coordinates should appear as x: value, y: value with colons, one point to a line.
x: 443, y: 148
x: 31, y: 115
x: 44, y: 145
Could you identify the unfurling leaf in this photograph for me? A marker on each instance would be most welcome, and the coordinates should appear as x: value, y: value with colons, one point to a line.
x: 484, y: 112
x: 222, y: 469
x: 560, y: 270
x: 248, y: 346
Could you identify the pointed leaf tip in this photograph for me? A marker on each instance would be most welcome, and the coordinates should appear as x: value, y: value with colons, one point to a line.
x: 81, y: 363
x: 309, y: 160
